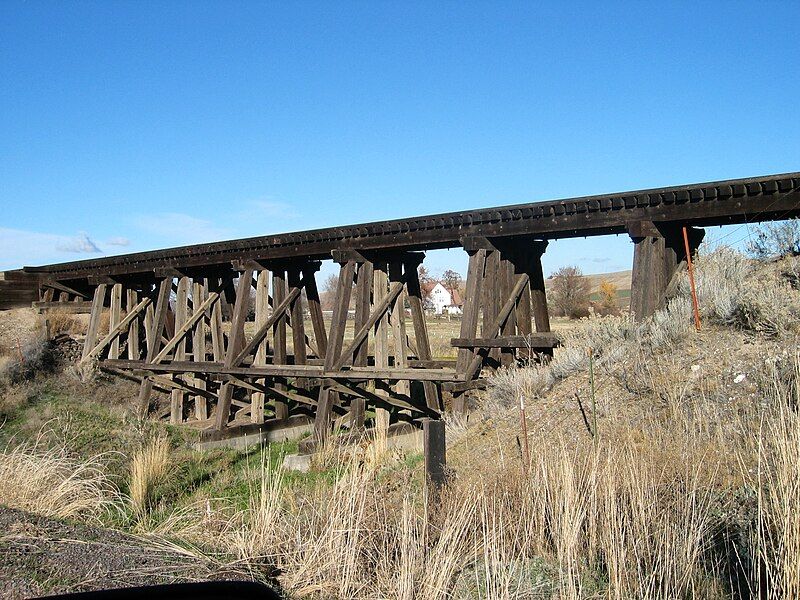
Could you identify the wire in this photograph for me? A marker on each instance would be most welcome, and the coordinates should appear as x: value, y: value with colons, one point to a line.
x: 754, y: 219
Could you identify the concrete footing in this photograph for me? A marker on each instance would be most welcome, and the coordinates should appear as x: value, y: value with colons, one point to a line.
x: 247, y: 436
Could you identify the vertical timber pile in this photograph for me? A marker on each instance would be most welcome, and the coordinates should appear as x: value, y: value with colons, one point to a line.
x: 657, y: 255
x: 504, y: 292
x: 384, y: 281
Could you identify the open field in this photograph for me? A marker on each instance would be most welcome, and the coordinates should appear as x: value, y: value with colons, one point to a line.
x: 670, y: 472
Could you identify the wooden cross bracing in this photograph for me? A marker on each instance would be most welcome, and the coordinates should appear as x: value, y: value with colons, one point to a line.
x: 232, y: 346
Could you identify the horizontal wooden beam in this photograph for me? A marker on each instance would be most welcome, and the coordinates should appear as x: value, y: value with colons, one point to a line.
x: 298, y: 371
x: 80, y: 307
x: 534, y: 341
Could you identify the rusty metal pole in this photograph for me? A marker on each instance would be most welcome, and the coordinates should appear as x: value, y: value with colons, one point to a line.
x: 690, y: 267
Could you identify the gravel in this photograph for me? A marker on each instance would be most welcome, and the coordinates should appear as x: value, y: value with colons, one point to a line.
x: 41, y: 556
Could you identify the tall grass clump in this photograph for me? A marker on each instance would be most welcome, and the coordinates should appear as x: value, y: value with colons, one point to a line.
x: 51, y: 482
x: 149, y: 466
x: 777, y: 479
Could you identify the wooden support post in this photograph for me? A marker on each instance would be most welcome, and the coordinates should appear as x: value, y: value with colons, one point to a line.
x: 335, y: 342
x: 506, y: 276
x: 315, y: 310
x: 398, y: 322
x: 257, y: 399
x: 658, y: 250
x: 154, y: 340
x: 364, y: 279
x: 94, y: 319
x: 420, y: 330
x: 279, y: 336
x: 133, y: 329
x: 541, y: 316
x: 177, y: 396
x: 148, y: 324
x: 469, y: 320
x: 235, y: 342
x: 435, y: 454
x: 199, y: 293
x: 115, y: 316
x: 217, y: 334
x: 491, y: 298
x: 380, y: 279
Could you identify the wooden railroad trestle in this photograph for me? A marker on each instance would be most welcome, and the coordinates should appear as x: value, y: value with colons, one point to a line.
x: 187, y: 334
x: 210, y: 325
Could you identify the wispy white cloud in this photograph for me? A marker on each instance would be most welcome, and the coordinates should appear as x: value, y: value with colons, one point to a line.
x: 118, y: 241
x: 176, y: 229
x: 80, y: 244
x: 19, y: 247
x: 273, y: 209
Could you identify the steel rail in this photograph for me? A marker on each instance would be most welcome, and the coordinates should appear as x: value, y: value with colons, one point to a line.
x: 713, y: 203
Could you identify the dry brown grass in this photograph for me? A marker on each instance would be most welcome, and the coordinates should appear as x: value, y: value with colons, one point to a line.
x: 51, y: 482
x: 149, y: 465
x: 61, y: 321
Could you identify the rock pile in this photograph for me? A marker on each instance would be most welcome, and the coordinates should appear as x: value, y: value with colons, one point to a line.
x: 67, y: 349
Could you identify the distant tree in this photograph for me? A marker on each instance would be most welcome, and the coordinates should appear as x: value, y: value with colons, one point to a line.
x: 451, y: 280
x: 570, y: 292
x: 425, y: 284
x: 327, y: 296
x: 608, y: 298
x: 773, y: 240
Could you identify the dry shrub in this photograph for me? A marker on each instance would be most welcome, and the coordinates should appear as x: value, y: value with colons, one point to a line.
x: 733, y: 290
x: 50, y: 482
x: 149, y: 466
x: 34, y: 357
x: 60, y: 321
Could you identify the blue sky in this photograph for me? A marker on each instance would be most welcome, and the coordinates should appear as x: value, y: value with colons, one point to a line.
x: 129, y: 126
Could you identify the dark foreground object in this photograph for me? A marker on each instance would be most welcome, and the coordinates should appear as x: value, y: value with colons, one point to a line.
x: 208, y: 590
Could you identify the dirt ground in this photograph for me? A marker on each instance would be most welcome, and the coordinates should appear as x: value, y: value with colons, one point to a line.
x: 41, y: 556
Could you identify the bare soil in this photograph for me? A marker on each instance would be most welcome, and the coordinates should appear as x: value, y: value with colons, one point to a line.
x: 41, y: 556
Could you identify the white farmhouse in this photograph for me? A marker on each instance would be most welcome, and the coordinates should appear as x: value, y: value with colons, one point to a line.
x: 445, y: 301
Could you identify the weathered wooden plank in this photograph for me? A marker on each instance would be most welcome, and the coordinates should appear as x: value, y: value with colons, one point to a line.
x: 118, y: 329
x: 472, y: 303
x: 258, y: 398
x: 363, y: 298
x: 420, y: 330
x: 381, y: 294
x: 131, y: 300
x: 115, y: 316
x: 178, y: 396
x: 80, y: 307
x: 315, y: 311
x: 379, y: 312
x: 295, y: 371
x: 94, y: 319
x: 435, y: 454
x: 199, y: 293
x: 326, y: 399
x: 398, y: 323
x: 154, y: 339
x: 534, y: 341
x: 494, y: 328
x: 183, y: 330
x: 240, y: 308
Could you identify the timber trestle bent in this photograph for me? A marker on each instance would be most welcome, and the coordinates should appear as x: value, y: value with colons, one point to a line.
x: 234, y: 333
